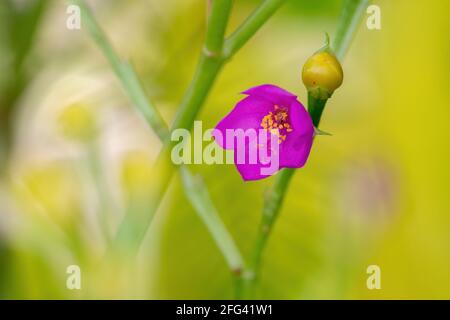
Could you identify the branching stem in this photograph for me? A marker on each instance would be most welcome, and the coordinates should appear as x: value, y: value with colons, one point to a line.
x: 347, y: 27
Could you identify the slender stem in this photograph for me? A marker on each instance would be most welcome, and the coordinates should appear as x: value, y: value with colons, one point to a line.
x: 205, y: 75
x: 207, y: 70
x: 195, y: 190
x: 315, y: 109
x: 135, y: 90
x: 124, y: 72
x: 24, y: 30
x: 250, y: 26
x: 217, y: 23
x: 270, y: 212
x: 198, y: 195
x: 347, y: 27
x: 23, y: 25
x: 349, y: 20
x: 208, y: 67
x: 132, y: 230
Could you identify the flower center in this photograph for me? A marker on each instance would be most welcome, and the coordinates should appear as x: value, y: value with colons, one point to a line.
x: 277, y: 122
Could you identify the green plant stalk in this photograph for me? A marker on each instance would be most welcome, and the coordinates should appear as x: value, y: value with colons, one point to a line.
x: 25, y: 29
x: 250, y: 26
x: 124, y: 71
x: 131, y: 231
x: 217, y: 22
x: 198, y: 195
x: 196, y: 191
x: 205, y: 75
x: 23, y: 26
x: 349, y: 20
x: 274, y: 199
x: 315, y: 109
x: 210, y: 63
x: 347, y: 27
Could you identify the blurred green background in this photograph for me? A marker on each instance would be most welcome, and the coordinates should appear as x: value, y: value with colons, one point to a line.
x: 75, y: 156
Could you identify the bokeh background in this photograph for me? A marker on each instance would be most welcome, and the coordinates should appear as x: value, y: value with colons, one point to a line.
x: 74, y: 155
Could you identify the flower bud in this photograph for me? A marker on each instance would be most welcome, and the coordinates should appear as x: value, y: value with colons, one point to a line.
x: 322, y: 73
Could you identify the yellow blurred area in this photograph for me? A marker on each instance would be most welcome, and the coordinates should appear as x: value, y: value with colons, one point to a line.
x: 373, y: 193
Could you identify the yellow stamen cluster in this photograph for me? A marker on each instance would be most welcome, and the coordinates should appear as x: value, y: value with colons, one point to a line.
x: 276, y: 123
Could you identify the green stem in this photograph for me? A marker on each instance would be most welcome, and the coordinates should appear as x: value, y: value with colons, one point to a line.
x: 208, y: 67
x: 24, y: 26
x: 217, y: 23
x: 250, y: 26
x: 348, y: 23
x: 132, y: 230
x: 24, y: 30
x: 198, y: 195
x: 349, y: 20
x: 270, y: 212
x: 205, y: 75
x: 196, y: 191
x: 315, y: 109
x: 124, y: 72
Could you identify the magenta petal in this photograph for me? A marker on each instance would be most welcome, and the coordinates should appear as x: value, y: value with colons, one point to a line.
x: 292, y: 151
x: 259, y: 170
x: 296, y: 156
x: 295, y: 150
x: 247, y: 114
x: 271, y: 93
x: 251, y: 172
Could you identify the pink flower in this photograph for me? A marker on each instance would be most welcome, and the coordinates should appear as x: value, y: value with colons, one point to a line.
x: 282, y: 123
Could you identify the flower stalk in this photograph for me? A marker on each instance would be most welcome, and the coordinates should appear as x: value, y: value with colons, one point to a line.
x: 315, y: 108
x: 217, y: 23
x: 250, y: 26
x: 195, y: 190
x: 131, y: 232
x: 124, y: 72
x: 22, y: 26
x: 207, y: 70
x: 349, y: 21
x: 273, y: 201
x: 347, y: 27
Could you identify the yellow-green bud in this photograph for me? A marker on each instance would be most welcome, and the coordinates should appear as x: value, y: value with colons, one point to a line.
x: 322, y: 74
